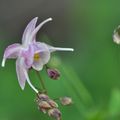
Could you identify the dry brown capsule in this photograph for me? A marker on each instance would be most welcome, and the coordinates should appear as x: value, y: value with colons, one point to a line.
x: 55, y: 113
x: 42, y: 97
x: 52, y: 103
x: 43, y: 106
x: 66, y: 101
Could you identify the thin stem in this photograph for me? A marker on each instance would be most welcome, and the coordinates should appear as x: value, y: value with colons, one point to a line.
x: 56, y: 99
x: 41, y: 81
x: 46, y: 66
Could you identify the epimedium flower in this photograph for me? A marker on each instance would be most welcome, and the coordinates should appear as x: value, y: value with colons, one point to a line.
x: 116, y: 35
x: 30, y: 53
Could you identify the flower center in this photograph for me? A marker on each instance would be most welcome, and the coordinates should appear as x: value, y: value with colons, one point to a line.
x: 36, y: 57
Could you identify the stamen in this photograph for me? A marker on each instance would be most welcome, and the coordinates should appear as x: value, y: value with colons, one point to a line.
x: 36, y: 57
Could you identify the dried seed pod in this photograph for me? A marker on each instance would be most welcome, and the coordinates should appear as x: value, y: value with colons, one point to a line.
x: 116, y: 35
x: 43, y: 97
x: 43, y: 110
x: 66, y: 100
x: 44, y: 105
x: 53, y: 73
x: 52, y: 103
x: 55, y: 113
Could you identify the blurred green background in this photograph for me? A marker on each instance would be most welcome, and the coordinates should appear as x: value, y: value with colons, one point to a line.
x: 90, y: 74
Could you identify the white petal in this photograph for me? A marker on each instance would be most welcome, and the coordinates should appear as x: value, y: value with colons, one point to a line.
x: 33, y: 35
x: 3, y: 62
x: 38, y: 65
x: 116, y: 38
x: 28, y: 80
x: 44, y: 58
x: 20, y: 73
x: 52, y: 49
x: 62, y: 49
x: 28, y: 30
x: 43, y: 51
x: 12, y: 51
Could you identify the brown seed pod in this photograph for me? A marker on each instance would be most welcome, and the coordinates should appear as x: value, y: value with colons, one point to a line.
x: 52, y: 103
x: 44, y: 105
x: 66, y: 100
x: 55, y: 113
x: 42, y: 97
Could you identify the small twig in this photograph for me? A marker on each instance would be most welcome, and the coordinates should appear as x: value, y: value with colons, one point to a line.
x: 42, y: 82
x: 56, y: 99
x: 46, y: 66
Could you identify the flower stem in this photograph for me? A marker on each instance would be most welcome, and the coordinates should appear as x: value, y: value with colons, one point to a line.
x: 56, y: 99
x: 41, y: 81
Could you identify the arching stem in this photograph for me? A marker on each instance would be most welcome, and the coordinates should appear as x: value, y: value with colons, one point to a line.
x: 41, y: 81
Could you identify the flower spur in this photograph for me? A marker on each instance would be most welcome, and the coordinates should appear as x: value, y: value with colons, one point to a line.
x: 30, y: 53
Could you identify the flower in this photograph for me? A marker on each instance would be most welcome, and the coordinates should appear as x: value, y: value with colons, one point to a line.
x: 30, y: 53
x: 116, y: 35
x: 53, y: 73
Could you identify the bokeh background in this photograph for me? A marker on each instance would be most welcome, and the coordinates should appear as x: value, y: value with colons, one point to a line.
x: 90, y: 74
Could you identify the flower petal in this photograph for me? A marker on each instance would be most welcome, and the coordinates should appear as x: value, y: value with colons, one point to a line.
x: 44, y: 53
x: 28, y: 55
x: 33, y: 35
x: 40, y: 47
x: 44, y: 58
x: 52, y: 49
x: 20, y: 72
x: 28, y: 80
x: 12, y: 51
x: 28, y: 30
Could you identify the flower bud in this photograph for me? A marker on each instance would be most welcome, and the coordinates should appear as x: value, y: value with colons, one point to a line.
x: 116, y: 35
x: 55, y: 113
x: 66, y: 101
x: 53, y: 73
x: 52, y: 103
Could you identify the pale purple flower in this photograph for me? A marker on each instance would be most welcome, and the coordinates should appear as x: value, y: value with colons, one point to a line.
x: 116, y: 35
x: 30, y: 53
